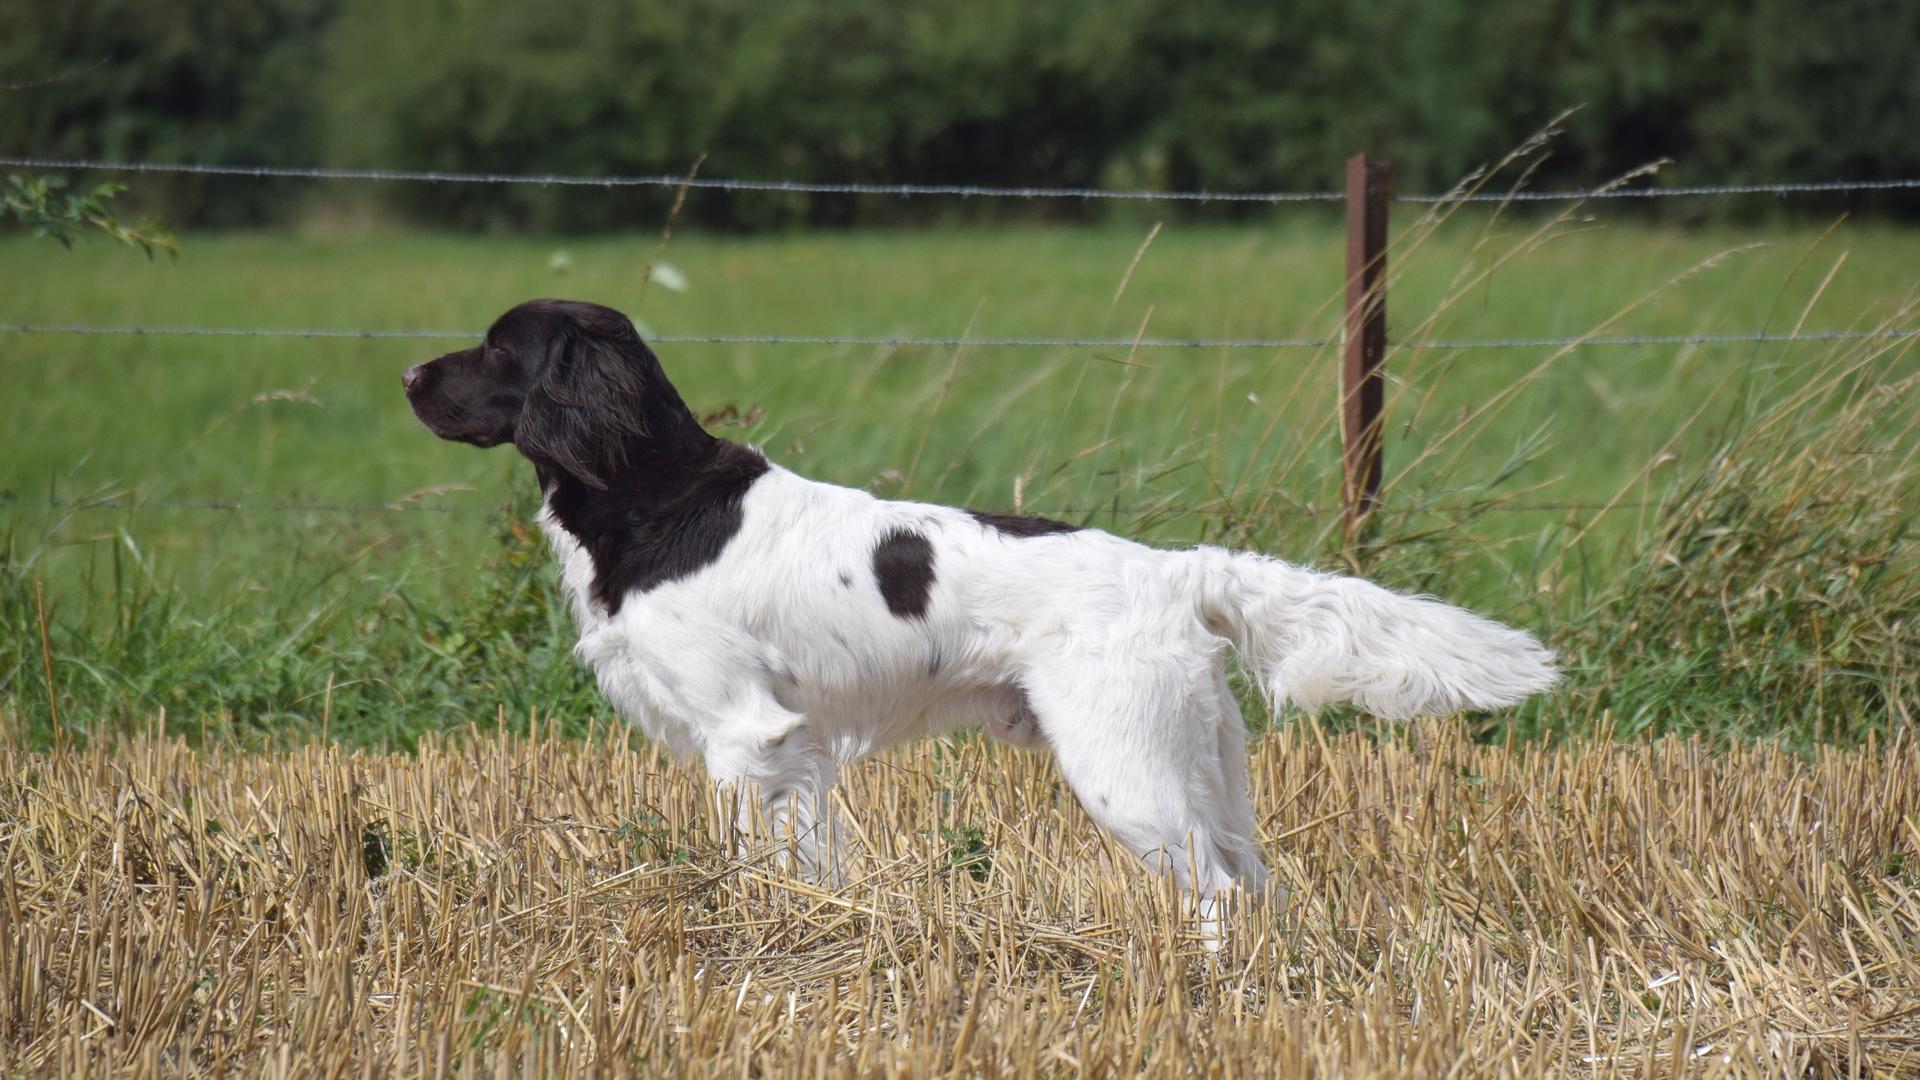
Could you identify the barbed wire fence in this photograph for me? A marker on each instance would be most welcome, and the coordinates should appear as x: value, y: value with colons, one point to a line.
x: 1362, y: 339
x: 1434, y: 344
x: 962, y: 191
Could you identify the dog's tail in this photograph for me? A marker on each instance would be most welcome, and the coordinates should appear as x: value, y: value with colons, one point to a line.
x: 1315, y: 639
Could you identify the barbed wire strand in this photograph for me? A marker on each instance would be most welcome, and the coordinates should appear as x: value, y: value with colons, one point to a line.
x: 1678, y: 192
x: 1751, y: 337
x: 284, y: 506
x: 696, y: 339
x: 812, y: 187
x: 1425, y: 344
x: 964, y: 191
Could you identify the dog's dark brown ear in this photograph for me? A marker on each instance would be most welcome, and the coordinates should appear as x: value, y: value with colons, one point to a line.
x: 590, y: 399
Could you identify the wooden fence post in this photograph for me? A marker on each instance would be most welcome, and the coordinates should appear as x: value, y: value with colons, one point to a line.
x: 1369, y: 185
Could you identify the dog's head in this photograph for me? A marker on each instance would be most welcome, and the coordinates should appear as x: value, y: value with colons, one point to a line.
x: 568, y: 383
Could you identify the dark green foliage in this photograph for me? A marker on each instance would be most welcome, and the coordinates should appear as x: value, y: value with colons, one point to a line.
x: 1220, y: 94
x: 213, y: 80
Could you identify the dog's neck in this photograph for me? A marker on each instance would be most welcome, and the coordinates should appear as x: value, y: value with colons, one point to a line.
x: 668, y: 510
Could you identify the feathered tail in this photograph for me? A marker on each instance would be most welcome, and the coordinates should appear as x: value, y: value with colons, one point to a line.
x: 1314, y: 639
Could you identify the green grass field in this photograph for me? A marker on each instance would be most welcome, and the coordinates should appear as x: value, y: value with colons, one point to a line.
x: 378, y: 625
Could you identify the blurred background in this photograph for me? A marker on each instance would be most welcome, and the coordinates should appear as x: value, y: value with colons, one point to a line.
x: 1184, y: 94
x: 1675, y: 432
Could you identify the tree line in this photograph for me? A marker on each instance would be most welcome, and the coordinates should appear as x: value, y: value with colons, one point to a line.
x: 1218, y: 94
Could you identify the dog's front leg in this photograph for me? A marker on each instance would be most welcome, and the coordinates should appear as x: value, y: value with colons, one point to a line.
x: 774, y: 781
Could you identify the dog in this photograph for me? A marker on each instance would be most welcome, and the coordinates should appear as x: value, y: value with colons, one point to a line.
x: 776, y: 628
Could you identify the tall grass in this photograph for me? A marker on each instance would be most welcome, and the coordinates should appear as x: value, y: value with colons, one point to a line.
x: 316, y: 663
x: 1777, y: 587
x: 1730, y: 548
x: 1770, y: 588
x: 1754, y: 576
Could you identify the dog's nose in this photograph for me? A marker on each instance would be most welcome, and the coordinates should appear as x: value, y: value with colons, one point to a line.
x: 411, y: 376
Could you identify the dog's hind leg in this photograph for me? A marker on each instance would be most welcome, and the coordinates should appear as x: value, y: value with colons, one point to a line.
x: 1230, y: 792
x: 1139, y: 741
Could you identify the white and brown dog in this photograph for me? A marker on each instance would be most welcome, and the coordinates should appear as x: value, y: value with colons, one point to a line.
x: 776, y: 627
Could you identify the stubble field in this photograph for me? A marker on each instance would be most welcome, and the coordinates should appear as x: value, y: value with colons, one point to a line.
x: 498, y: 905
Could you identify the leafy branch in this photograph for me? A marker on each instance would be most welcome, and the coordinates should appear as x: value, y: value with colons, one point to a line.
x: 43, y: 204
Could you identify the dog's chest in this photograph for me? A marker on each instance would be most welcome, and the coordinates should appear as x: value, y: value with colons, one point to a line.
x: 576, y: 574
x: 623, y: 676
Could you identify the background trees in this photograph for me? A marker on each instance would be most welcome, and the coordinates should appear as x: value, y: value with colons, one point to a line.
x: 1224, y: 94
